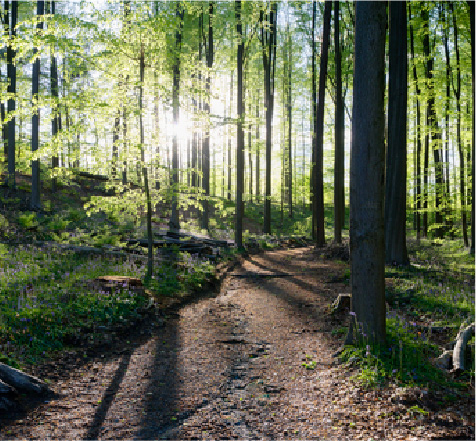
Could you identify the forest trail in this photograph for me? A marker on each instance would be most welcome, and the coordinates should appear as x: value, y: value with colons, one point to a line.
x: 231, y: 366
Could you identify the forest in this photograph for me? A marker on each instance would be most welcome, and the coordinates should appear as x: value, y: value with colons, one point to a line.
x: 237, y: 219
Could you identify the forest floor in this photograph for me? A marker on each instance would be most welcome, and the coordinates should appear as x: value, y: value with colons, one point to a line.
x: 252, y: 361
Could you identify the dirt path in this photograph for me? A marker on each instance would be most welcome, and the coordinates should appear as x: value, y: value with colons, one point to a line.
x: 230, y: 367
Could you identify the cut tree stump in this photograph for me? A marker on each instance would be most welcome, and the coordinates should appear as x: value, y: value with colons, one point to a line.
x: 21, y: 381
x: 341, y: 303
x: 464, y: 335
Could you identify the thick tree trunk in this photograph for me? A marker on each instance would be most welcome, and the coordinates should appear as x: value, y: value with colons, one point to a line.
x: 396, y: 169
x: 35, y: 122
x: 367, y: 232
x: 240, y: 138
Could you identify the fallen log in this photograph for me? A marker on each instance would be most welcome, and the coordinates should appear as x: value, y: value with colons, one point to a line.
x: 464, y: 335
x: 21, y: 381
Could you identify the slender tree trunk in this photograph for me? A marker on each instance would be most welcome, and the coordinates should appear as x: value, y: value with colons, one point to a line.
x: 240, y: 140
x: 150, y: 238
x: 257, y: 158
x: 367, y: 232
x: 459, y: 142
x: 6, y: 31
x: 396, y: 169
x: 229, y: 139
x: 11, y: 89
x: 339, y: 203
x: 289, y: 108
x: 471, y: 20
x: 318, y: 147
x: 35, y: 122
x: 55, y: 95
x: 418, y: 131
x: 174, y: 220
x: 250, y: 159
x: 206, y: 141
x: 314, y: 121
x: 447, y: 190
x: 432, y: 124
x: 268, y: 40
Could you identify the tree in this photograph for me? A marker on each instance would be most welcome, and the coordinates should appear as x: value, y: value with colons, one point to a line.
x: 339, y: 203
x: 35, y: 121
x: 206, y: 140
x: 268, y: 45
x: 318, y: 132
x: 418, y: 195
x: 174, y: 220
x: 367, y: 232
x: 471, y: 21
x: 396, y: 169
x: 12, y: 80
x: 240, y: 136
x: 55, y: 95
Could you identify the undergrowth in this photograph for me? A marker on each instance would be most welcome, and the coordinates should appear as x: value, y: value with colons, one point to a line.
x: 436, y: 290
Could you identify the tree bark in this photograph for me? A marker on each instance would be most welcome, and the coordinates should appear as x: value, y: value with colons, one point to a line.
x: 396, y: 169
x: 206, y: 140
x: 268, y: 41
x: 11, y: 89
x: 318, y: 146
x: 174, y: 223
x: 418, y: 134
x: 367, y: 232
x: 55, y: 95
x: 339, y: 203
x: 35, y: 122
x: 471, y: 20
x: 240, y: 138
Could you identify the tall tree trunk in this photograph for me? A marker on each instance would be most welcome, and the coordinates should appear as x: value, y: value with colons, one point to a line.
x: 6, y: 26
x: 396, y: 170
x: 206, y: 140
x: 35, y: 121
x: 447, y: 190
x: 471, y: 21
x: 257, y: 158
x: 229, y: 139
x: 174, y: 223
x: 418, y: 132
x: 367, y: 232
x: 459, y: 142
x: 289, y: 108
x: 339, y: 203
x: 150, y: 238
x: 318, y: 146
x: 268, y: 41
x: 55, y: 95
x: 314, y: 120
x: 432, y: 124
x: 240, y: 139
x: 11, y: 89
x: 250, y: 153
